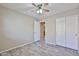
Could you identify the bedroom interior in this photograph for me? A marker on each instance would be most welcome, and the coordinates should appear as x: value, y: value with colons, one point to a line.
x: 39, y: 29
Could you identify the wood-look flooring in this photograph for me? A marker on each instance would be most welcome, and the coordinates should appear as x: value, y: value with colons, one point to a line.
x: 35, y: 49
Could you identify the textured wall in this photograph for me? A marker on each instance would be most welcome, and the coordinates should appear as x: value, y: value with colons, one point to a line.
x: 15, y: 29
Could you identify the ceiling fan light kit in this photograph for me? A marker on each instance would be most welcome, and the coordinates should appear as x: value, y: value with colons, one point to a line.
x: 40, y: 11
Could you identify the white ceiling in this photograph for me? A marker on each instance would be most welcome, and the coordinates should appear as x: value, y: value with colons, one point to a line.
x: 27, y: 8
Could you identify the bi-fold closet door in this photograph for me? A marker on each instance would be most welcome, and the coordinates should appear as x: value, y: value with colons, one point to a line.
x: 72, y: 32
x: 66, y: 32
x: 60, y: 31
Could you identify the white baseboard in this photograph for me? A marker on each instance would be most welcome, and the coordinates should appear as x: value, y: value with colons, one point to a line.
x: 16, y: 47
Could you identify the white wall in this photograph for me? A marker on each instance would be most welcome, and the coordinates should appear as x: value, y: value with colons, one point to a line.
x: 50, y: 30
x: 36, y: 30
x: 51, y: 25
x: 15, y: 29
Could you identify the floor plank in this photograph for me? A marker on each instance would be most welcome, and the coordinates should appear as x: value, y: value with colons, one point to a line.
x: 35, y: 49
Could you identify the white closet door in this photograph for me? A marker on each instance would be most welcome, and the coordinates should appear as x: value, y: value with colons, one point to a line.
x: 60, y: 31
x: 36, y: 30
x: 71, y: 32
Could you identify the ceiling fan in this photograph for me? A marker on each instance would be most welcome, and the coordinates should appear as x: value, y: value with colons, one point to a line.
x: 41, y: 7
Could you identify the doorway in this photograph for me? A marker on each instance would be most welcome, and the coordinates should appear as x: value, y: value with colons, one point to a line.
x: 42, y: 32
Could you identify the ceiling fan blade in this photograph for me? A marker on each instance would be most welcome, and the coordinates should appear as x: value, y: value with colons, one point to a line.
x: 45, y: 4
x: 34, y: 4
x: 40, y: 5
x: 46, y: 10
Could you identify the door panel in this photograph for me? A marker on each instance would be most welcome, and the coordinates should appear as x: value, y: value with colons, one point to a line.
x: 60, y: 31
x: 71, y: 32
